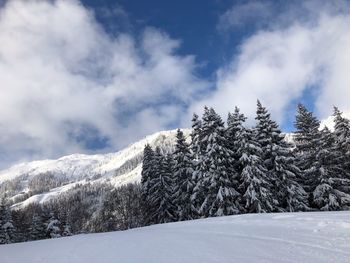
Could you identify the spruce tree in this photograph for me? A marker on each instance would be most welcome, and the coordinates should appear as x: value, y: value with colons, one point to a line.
x: 235, y: 123
x: 254, y: 184
x: 342, y: 140
x: 322, y: 157
x: 161, y: 197
x: 147, y: 174
x: 65, y: 225
x: 3, y: 237
x: 183, y: 170
x: 53, y: 229
x: 66, y: 230
x: 197, y: 196
x: 217, y: 172
x: 195, y: 137
x: 37, y: 228
x: 332, y: 185
x: 280, y: 163
x: 19, y: 218
x: 7, y: 229
x: 307, y: 142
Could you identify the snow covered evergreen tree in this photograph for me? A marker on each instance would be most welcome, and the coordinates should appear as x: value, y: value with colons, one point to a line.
x: 332, y: 188
x: 3, y: 237
x: 197, y: 196
x: 183, y: 185
x: 216, y: 170
x: 147, y: 174
x: 255, y: 186
x: 65, y: 225
x: 37, y: 228
x: 195, y: 137
x: 322, y: 157
x: 307, y: 142
x: 342, y: 140
x: 279, y: 160
x: 161, y: 190
x: 53, y: 229
x: 21, y: 225
x: 7, y: 229
x: 235, y: 122
x: 66, y: 230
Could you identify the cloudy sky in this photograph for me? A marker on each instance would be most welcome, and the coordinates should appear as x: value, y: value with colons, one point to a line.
x: 93, y: 76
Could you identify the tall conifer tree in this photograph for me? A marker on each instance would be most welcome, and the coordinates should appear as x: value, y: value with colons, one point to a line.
x: 183, y: 170
x: 280, y: 163
x: 254, y: 184
x: 217, y: 173
x: 147, y: 174
x: 161, y: 197
x: 196, y: 156
x: 308, y: 143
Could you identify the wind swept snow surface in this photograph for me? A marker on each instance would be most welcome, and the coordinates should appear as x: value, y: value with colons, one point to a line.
x: 285, y: 237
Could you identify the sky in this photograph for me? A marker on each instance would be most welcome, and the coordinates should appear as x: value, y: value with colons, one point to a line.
x: 94, y: 76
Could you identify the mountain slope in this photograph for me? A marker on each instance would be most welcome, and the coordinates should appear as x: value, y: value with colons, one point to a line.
x: 118, y: 168
x: 288, y: 237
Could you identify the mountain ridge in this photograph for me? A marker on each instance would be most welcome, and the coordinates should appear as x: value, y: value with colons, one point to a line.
x: 118, y: 168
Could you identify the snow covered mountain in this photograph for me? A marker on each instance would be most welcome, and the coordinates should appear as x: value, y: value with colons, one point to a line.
x: 117, y: 168
x: 274, y: 238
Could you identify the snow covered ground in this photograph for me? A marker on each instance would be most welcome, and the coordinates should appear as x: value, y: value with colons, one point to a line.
x: 289, y: 237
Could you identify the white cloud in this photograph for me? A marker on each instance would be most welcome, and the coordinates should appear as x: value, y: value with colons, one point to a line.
x: 62, y: 77
x: 239, y: 15
x: 278, y: 64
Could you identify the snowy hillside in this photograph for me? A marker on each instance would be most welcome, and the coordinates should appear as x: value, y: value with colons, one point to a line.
x: 289, y: 237
x: 119, y: 168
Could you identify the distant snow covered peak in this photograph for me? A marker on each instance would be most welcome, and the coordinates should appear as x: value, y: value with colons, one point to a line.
x: 75, y: 164
x: 118, y: 168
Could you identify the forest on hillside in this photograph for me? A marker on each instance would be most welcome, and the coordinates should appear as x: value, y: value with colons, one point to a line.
x: 225, y: 169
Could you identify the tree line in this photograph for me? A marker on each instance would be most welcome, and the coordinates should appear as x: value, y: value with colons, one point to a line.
x: 229, y: 168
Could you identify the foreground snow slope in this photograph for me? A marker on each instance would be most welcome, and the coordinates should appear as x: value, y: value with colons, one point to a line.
x: 289, y: 237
